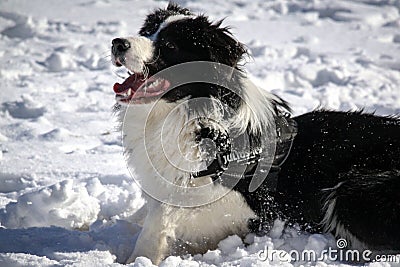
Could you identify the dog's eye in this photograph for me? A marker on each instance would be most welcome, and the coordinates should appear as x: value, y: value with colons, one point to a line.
x: 170, y: 45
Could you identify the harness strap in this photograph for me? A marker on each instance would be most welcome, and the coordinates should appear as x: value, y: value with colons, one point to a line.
x: 286, y: 130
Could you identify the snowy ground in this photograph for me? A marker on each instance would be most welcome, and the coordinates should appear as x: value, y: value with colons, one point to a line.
x: 66, y: 197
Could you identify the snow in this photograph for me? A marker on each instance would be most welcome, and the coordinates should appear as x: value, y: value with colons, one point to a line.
x: 66, y: 197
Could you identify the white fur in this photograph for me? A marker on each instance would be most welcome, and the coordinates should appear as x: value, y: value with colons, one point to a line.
x: 331, y: 223
x: 141, y: 50
x: 257, y: 109
x: 330, y: 220
x: 166, y: 22
x: 166, y: 226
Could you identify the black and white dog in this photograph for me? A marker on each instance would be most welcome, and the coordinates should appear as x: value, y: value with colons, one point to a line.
x: 335, y: 172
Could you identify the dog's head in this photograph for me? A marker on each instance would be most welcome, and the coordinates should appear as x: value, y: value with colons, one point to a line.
x: 167, y: 38
x: 197, y: 121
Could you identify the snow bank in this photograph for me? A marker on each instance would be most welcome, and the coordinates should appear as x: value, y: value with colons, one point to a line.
x: 69, y: 205
x: 58, y: 205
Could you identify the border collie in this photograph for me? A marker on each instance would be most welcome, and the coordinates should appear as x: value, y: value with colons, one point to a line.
x: 326, y: 171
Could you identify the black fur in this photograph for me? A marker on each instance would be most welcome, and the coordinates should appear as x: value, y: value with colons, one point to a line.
x: 154, y: 20
x: 367, y: 204
x: 348, y: 156
x: 194, y: 39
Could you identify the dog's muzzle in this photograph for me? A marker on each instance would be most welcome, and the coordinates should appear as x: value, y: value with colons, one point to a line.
x: 119, y: 48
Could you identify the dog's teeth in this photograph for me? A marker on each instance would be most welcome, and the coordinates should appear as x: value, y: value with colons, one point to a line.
x: 129, y: 91
x: 153, y: 83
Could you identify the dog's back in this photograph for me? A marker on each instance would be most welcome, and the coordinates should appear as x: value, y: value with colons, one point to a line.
x: 342, y: 175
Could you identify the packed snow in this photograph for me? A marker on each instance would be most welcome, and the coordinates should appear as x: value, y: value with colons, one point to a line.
x: 66, y: 197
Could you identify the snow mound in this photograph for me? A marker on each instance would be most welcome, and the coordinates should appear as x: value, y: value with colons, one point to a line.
x: 58, y: 134
x: 23, y: 260
x: 145, y: 262
x: 119, y: 198
x: 68, y: 204
x: 230, y: 244
x: 58, y: 205
x: 25, y: 109
x: 10, y: 182
x: 60, y: 61
x: 91, y: 258
x: 90, y: 58
x: 24, y: 28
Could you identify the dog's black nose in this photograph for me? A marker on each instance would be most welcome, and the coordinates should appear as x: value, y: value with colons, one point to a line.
x: 120, y: 45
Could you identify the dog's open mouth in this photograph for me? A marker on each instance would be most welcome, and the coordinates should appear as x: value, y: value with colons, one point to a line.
x: 137, y: 89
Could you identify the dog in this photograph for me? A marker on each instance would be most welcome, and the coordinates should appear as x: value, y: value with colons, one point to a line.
x: 330, y: 171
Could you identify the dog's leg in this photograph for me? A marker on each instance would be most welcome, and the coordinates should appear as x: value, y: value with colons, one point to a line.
x: 139, y: 216
x: 153, y: 239
x: 364, y: 209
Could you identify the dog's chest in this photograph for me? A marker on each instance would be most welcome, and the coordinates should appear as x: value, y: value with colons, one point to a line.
x: 159, y: 140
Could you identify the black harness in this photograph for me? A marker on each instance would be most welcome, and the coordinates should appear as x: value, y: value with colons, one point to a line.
x: 286, y: 130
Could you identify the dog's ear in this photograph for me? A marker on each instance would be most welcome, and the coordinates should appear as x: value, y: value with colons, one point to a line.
x: 227, y: 49
x: 175, y: 8
x: 234, y: 49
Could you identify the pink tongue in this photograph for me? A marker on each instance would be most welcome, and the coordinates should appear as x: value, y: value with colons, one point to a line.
x: 133, y: 82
